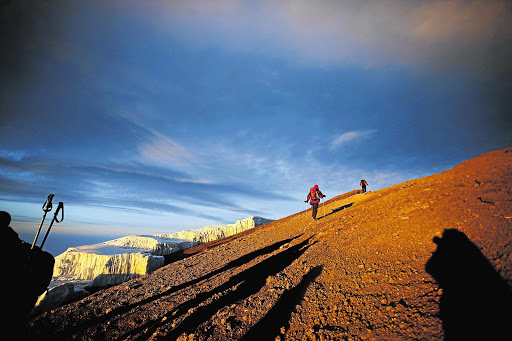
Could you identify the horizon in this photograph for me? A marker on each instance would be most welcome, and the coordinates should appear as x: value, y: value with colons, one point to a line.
x: 165, y: 115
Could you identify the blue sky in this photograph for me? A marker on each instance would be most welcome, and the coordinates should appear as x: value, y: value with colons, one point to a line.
x: 155, y: 116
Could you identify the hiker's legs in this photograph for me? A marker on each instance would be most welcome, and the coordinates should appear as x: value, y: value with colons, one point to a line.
x: 364, y: 188
x: 315, y: 208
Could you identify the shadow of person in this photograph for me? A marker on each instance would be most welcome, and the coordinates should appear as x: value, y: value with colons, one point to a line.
x: 337, y: 209
x: 476, y: 302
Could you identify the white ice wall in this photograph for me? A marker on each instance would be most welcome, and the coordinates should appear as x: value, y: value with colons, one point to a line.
x: 118, y: 260
x: 210, y: 233
x: 88, y: 266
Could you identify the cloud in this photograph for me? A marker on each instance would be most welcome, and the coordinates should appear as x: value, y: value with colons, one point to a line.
x: 350, y: 136
x: 164, y: 150
x: 157, y: 148
x: 14, y: 155
x: 127, y: 186
x: 456, y: 19
x: 443, y: 33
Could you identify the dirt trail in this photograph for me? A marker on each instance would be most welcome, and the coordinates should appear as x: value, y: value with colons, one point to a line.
x: 359, y: 272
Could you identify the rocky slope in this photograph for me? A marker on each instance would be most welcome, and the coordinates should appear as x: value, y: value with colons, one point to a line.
x: 429, y: 259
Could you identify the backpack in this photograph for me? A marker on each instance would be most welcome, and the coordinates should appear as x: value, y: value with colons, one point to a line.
x: 313, y: 193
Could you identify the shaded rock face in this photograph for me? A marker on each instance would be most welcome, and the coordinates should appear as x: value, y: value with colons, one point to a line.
x: 428, y: 259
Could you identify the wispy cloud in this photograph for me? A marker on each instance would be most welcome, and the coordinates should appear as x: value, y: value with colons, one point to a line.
x: 164, y: 150
x: 338, y: 141
x: 130, y: 187
x: 156, y: 147
x: 13, y: 155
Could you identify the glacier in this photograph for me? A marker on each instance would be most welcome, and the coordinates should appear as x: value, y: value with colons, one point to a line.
x: 210, y: 233
x: 81, y: 268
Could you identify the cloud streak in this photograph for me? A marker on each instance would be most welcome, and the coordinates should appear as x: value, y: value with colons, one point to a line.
x: 163, y: 150
x: 129, y: 187
x: 350, y: 136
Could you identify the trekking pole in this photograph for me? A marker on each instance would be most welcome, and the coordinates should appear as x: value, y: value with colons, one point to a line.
x: 60, y: 207
x: 47, y: 207
x: 323, y: 205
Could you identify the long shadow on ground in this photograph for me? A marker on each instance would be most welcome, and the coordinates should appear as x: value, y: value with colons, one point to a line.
x: 247, y: 283
x: 268, y: 328
x: 124, y: 309
x: 233, y: 264
x: 337, y: 209
x: 182, y: 254
x: 476, y: 302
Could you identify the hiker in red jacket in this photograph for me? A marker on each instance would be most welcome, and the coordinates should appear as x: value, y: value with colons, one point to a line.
x: 314, y: 197
x: 363, y: 185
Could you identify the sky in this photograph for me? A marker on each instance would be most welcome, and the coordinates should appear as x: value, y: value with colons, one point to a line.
x: 148, y: 117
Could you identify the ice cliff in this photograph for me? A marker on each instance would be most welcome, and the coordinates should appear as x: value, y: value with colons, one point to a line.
x: 117, y: 260
x: 122, y: 259
x: 209, y: 233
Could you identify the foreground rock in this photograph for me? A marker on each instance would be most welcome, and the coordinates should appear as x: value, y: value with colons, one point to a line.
x: 360, y: 272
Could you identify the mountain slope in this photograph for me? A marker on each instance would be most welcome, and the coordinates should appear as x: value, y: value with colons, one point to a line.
x: 360, y: 272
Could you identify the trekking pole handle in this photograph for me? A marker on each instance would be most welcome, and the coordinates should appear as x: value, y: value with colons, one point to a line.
x: 47, y: 206
x: 59, y: 208
x: 55, y: 219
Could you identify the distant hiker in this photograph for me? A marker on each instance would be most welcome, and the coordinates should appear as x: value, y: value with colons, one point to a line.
x: 363, y: 185
x: 314, y: 197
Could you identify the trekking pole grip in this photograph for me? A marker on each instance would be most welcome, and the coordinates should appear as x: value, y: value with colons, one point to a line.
x: 60, y: 207
x: 55, y: 219
x: 47, y: 206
